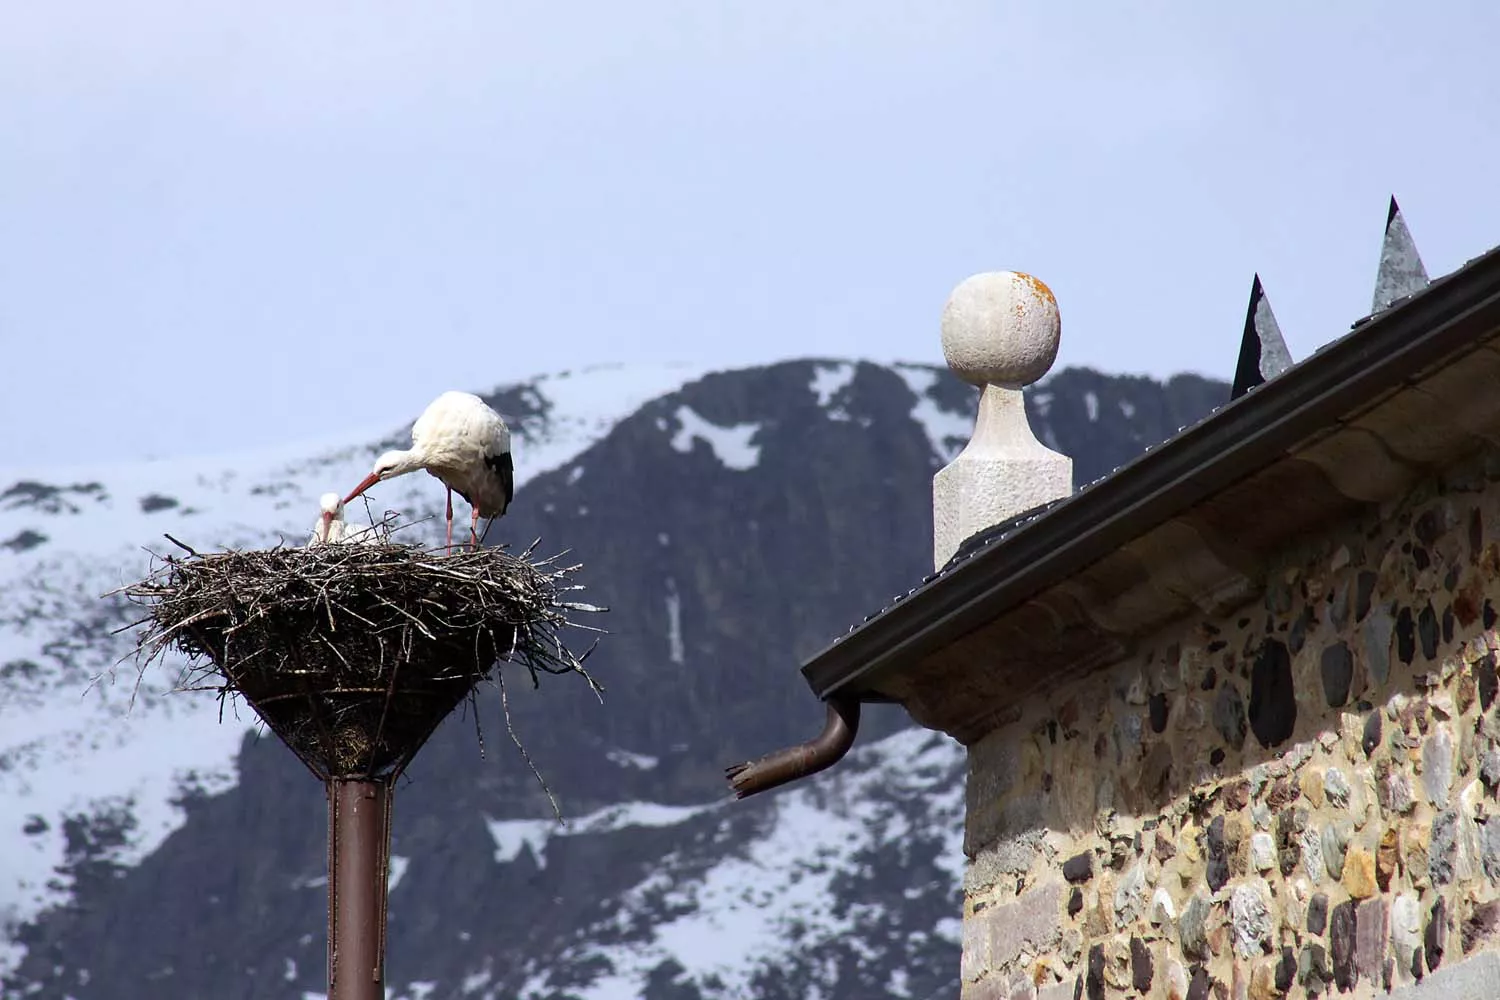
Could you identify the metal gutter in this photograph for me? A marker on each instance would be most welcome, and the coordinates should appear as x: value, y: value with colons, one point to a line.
x: 1381, y: 354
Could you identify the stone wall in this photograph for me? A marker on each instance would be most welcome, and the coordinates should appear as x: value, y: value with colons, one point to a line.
x: 1297, y: 800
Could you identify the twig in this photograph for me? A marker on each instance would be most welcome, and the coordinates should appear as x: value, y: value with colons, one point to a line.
x: 505, y: 708
x: 183, y: 546
x: 473, y: 704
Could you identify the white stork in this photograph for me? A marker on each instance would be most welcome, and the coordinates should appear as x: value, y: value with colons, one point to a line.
x: 332, y: 529
x: 464, y: 443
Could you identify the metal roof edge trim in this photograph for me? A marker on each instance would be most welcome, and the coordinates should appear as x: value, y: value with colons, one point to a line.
x: 1381, y: 353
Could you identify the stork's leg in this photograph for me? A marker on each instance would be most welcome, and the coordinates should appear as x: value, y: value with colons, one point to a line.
x: 473, y: 527
x: 450, y: 521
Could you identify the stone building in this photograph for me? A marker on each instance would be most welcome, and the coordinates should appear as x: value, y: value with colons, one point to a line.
x: 1231, y: 711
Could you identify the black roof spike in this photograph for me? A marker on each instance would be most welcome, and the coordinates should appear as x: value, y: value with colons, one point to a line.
x: 1400, y: 272
x: 1263, y: 353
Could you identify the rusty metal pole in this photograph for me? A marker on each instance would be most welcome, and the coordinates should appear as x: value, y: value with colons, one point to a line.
x: 359, y: 813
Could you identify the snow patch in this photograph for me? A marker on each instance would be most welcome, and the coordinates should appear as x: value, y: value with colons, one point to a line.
x: 949, y: 432
x: 775, y: 898
x: 827, y: 382
x: 1127, y: 408
x: 674, y: 622
x: 510, y: 835
x: 398, y: 869
x: 624, y: 758
x: 474, y: 982
x: 732, y: 446
x: 586, y: 405
x: 949, y: 929
x: 1091, y: 402
x: 575, y: 474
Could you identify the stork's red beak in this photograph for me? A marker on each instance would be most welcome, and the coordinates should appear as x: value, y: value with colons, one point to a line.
x: 365, y: 484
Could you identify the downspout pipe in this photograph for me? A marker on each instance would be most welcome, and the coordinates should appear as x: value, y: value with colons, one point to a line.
x: 796, y: 762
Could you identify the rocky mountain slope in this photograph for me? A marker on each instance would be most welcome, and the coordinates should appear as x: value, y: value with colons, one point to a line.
x: 733, y: 522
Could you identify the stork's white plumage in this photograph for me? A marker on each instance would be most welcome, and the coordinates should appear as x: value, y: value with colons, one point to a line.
x: 332, y: 529
x: 466, y: 445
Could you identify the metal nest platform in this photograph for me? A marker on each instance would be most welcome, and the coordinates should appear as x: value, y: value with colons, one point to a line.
x: 353, y: 654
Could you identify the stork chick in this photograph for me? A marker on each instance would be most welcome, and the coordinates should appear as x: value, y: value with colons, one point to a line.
x: 332, y: 529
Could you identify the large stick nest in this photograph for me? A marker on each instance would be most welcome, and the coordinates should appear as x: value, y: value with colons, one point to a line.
x: 353, y: 653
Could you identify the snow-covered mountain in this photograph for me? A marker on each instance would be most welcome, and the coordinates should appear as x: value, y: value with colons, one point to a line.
x: 148, y: 845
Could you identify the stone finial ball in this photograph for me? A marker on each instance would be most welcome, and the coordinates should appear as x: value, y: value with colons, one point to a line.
x: 1001, y: 328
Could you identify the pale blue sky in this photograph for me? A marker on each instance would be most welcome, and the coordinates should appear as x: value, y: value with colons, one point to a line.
x: 228, y: 224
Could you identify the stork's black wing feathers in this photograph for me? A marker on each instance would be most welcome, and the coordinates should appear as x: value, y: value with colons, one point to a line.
x: 502, y: 467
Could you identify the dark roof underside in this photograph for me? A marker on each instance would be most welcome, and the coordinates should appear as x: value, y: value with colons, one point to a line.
x: 1184, y: 526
